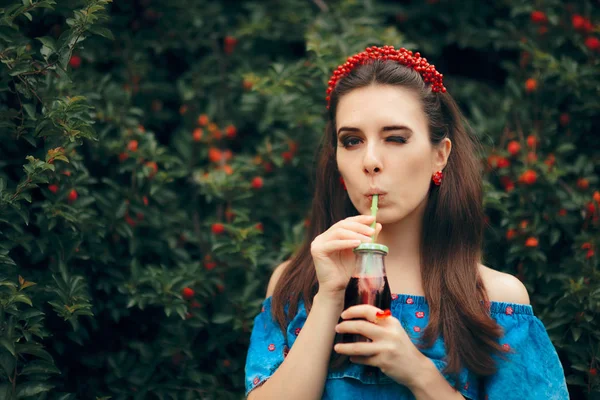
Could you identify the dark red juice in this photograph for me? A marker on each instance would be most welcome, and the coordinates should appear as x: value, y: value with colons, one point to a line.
x: 373, y: 290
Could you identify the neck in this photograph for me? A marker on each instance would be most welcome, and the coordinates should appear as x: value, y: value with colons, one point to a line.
x: 403, y: 239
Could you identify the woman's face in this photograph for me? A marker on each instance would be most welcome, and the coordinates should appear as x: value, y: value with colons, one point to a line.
x: 383, y: 145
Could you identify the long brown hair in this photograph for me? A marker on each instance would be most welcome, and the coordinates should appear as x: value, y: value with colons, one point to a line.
x: 452, y: 234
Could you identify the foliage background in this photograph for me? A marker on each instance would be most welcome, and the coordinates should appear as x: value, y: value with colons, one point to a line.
x: 151, y: 146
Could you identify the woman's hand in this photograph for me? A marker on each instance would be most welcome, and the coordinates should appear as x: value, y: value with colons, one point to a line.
x: 332, y: 252
x: 391, y: 350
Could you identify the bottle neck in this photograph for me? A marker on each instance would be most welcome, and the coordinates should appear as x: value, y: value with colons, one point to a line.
x: 369, y: 263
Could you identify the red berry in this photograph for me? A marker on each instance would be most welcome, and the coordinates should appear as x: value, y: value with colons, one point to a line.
x: 187, y: 293
x: 145, y: 200
x: 564, y: 119
x: 531, y: 141
x: 538, y: 17
x: 583, y: 183
x: 503, y: 162
x: 218, y: 228
x: 287, y: 156
x: 511, y: 233
x: 530, y: 85
x: 268, y: 167
x: 231, y: 131
x: 562, y: 212
x: 75, y: 61
x: 154, y: 167
x: 195, y: 304
x: 550, y: 160
x: 507, y: 183
x: 260, y: 227
x: 528, y: 177
x: 203, y: 120
x: 53, y: 188
x: 72, y: 195
x: 578, y: 22
x: 132, y: 145
x: 123, y: 156
x: 130, y: 221
x: 593, y: 43
x: 596, y: 196
x: 531, y: 242
x: 593, y: 371
x: 230, y: 43
x: 214, y: 154
x: 197, y: 135
x: 514, y: 147
x: 257, y: 182
x: 591, y: 208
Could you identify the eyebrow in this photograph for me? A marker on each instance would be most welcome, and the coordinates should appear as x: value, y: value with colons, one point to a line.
x: 385, y: 128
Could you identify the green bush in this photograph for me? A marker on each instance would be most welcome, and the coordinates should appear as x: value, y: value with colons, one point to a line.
x: 157, y: 161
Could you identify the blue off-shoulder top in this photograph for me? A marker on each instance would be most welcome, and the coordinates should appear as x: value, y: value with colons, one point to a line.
x: 532, y: 369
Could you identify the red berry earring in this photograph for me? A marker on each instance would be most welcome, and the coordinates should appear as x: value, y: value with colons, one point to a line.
x: 437, y: 178
x: 343, y: 183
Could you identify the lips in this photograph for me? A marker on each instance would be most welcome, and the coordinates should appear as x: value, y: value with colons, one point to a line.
x: 381, y: 197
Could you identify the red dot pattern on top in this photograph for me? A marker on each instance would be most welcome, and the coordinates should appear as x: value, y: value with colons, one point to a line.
x: 256, y: 381
x: 271, y: 347
x: 420, y: 314
x: 509, y: 310
x: 417, y: 329
x: 409, y: 300
x: 297, y: 331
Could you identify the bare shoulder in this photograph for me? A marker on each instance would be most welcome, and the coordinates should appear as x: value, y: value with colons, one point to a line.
x: 503, y: 287
x: 275, y: 277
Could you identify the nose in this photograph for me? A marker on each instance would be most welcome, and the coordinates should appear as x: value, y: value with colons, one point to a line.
x: 372, y: 160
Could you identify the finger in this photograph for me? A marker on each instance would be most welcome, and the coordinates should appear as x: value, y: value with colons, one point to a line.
x: 353, y: 226
x: 363, y: 349
x: 365, y: 360
x: 337, y: 245
x: 364, y: 235
x: 361, y: 327
x: 364, y: 311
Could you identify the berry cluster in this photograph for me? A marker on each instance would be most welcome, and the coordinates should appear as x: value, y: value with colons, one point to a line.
x: 402, y: 56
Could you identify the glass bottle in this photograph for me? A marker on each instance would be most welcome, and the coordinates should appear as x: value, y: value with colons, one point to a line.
x: 368, y: 284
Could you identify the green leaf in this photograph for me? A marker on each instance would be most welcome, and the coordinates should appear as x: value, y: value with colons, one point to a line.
x: 39, y: 367
x: 32, y: 388
x: 7, y: 362
x: 222, y: 318
x: 576, y: 331
x: 8, y: 345
x: 21, y: 298
x: 48, y: 41
x: 565, y: 148
x: 34, y: 350
x: 104, y: 32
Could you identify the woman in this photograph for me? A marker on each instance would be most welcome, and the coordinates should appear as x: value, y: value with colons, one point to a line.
x: 457, y: 328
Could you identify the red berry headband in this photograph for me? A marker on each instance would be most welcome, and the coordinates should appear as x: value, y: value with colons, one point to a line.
x: 402, y: 56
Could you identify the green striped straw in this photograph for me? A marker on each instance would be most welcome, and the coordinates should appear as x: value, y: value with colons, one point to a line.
x: 374, y: 214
